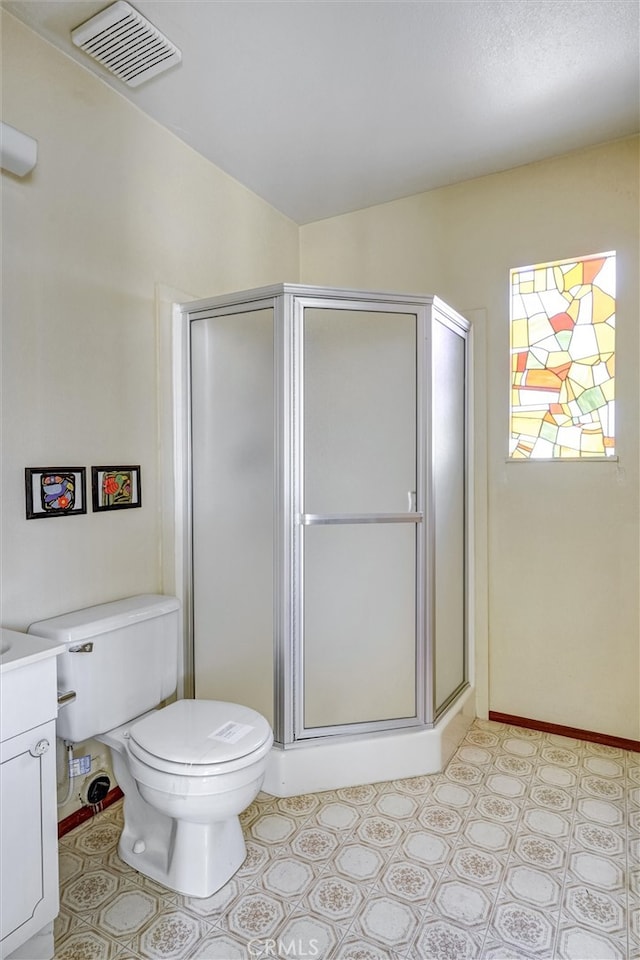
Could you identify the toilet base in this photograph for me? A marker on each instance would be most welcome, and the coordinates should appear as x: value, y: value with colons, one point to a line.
x: 195, y: 859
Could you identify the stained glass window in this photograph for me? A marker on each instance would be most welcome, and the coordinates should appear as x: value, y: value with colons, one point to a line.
x: 562, y: 359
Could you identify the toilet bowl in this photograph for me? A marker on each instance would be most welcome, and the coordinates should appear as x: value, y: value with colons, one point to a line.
x: 187, y: 771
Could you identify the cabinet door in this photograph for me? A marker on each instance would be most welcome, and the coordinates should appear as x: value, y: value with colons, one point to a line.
x: 29, y: 860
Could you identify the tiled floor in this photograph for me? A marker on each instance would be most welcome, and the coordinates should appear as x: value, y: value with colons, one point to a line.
x: 527, y: 846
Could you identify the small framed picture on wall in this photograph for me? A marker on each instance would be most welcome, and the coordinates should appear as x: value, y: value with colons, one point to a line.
x: 116, y: 488
x: 55, y: 491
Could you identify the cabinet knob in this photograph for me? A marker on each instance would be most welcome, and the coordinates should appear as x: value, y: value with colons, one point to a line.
x: 40, y: 747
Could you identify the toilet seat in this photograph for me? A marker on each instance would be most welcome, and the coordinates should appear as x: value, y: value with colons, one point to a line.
x: 200, y: 738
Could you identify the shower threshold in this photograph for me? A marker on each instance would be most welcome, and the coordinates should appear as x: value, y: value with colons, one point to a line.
x: 331, y: 763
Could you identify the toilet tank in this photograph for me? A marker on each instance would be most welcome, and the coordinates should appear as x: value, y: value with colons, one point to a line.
x: 121, y: 660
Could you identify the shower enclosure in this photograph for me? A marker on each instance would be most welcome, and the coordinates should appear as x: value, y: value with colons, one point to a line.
x: 327, y: 524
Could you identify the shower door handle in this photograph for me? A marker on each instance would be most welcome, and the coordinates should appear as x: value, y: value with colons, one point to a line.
x: 319, y: 519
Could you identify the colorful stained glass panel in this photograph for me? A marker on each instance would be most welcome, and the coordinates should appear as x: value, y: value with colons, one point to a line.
x: 562, y: 359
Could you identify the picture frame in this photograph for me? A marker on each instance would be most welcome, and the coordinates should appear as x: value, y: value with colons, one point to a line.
x: 55, y: 492
x: 116, y: 488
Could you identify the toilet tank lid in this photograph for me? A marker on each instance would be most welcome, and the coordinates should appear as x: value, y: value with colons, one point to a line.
x: 79, y: 625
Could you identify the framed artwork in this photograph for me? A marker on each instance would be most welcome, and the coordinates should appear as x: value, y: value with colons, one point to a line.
x: 55, y: 491
x: 116, y: 488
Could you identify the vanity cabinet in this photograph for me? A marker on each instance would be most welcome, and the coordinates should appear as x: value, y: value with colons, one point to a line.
x: 28, y: 818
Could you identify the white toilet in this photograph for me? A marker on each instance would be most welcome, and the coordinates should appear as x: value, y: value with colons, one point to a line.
x: 187, y: 770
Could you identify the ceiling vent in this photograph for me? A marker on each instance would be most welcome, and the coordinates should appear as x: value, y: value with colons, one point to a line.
x: 126, y: 43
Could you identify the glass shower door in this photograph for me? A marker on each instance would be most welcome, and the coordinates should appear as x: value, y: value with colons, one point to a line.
x: 359, y: 522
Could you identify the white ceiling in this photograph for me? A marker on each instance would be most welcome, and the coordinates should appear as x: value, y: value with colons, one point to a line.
x: 323, y: 107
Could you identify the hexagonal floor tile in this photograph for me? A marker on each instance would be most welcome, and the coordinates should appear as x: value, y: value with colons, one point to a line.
x: 359, y: 949
x: 489, y: 836
x: 463, y: 902
x: 473, y: 754
x: 304, y: 936
x: 556, y: 776
x: 597, y: 871
x: 220, y: 946
x: 388, y: 922
x: 379, y: 831
x: 414, y: 786
x: 514, y: 765
x: 399, y: 806
x: 287, y: 877
x: 408, y: 880
x: 128, y: 912
x: 255, y: 915
x: 359, y: 862
x: 440, y: 819
x: 633, y: 772
x: 601, y: 811
x: 495, y: 950
x: 604, y: 766
x: 464, y: 773
x: 534, y: 886
x: 249, y: 814
x: 481, y: 737
x: 337, y: 816
x: 300, y: 806
x: 335, y: 899
x: 313, y: 843
x: 172, y: 936
x: 524, y: 733
x: 547, y: 823
x: 273, y: 828
x: 425, y: 848
x: 552, y: 798
x: 213, y: 907
x: 523, y: 927
x: 497, y: 808
x: 440, y: 940
x: 362, y: 796
x: 475, y: 865
x: 95, y: 839
x: 87, y: 943
x: 255, y: 860
x: 63, y: 923
x: 597, y: 838
x: 506, y: 786
x: 575, y: 943
x: 520, y: 747
x: 559, y: 756
x: 69, y: 864
x: 539, y: 851
x: 594, y: 908
x: 601, y: 787
x: 89, y: 891
x: 453, y: 794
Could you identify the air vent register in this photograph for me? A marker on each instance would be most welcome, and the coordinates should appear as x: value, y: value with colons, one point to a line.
x: 126, y: 43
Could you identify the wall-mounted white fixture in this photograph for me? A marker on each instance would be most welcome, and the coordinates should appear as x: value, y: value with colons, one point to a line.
x: 126, y: 43
x: 18, y: 152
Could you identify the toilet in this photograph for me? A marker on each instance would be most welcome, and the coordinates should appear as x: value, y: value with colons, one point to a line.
x: 188, y: 769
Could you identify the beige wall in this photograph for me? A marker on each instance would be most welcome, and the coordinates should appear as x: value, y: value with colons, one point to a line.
x: 562, y: 551
x: 116, y: 209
